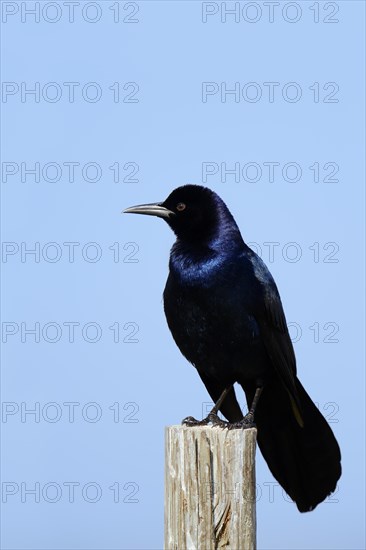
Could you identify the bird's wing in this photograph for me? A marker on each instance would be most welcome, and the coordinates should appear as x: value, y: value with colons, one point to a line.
x: 273, y: 328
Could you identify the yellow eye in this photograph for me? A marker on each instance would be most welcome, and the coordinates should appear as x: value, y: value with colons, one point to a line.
x: 181, y: 206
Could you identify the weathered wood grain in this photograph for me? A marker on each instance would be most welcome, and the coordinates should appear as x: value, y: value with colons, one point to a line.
x: 210, y: 488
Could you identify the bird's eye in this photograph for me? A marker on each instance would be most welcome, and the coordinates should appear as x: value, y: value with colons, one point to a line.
x: 181, y: 206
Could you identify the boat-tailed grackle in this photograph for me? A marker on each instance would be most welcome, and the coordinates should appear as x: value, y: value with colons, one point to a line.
x: 225, y: 314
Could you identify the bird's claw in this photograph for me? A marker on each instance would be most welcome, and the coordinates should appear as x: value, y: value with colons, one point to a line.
x: 243, y: 424
x: 190, y: 421
x: 212, y: 419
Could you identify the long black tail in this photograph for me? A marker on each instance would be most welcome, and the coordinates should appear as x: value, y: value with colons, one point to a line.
x: 304, y: 460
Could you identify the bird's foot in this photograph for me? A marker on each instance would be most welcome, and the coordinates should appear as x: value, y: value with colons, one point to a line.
x: 212, y: 419
x: 191, y: 421
x: 244, y: 423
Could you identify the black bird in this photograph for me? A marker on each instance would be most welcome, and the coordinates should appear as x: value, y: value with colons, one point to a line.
x: 225, y: 314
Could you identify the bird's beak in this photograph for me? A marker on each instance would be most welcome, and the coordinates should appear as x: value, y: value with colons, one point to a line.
x: 152, y: 209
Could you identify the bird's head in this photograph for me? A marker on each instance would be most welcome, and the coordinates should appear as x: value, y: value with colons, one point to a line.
x: 194, y: 213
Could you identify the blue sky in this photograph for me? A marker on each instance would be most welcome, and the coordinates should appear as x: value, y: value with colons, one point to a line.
x: 129, y: 101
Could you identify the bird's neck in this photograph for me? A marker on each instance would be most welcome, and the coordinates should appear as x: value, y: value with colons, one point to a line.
x: 192, y: 261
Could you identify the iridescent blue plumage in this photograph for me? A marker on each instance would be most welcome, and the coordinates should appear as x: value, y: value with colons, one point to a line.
x: 226, y: 316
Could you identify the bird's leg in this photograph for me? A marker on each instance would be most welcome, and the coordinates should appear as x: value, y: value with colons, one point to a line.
x: 212, y: 417
x: 248, y: 420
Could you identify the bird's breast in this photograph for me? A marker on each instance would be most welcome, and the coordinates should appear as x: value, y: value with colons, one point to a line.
x: 208, y: 317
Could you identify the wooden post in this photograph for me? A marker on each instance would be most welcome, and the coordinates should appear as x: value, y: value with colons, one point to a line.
x: 210, y: 488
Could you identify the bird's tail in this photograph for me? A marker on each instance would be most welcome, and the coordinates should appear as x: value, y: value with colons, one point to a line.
x: 304, y: 460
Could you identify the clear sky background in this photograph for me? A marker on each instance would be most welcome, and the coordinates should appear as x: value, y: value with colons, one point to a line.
x: 293, y: 132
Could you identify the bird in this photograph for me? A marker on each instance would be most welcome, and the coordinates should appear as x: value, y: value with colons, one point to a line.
x: 225, y: 314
